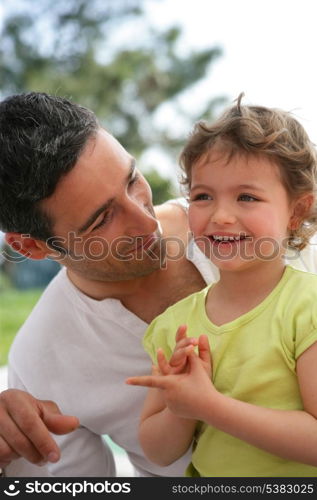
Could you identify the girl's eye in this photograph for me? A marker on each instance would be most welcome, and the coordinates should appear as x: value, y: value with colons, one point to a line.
x: 200, y: 197
x: 247, y: 197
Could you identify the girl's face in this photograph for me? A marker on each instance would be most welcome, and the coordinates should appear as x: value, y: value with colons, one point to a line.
x: 240, y: 211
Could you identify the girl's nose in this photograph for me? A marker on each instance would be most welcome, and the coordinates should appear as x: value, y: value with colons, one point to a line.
x: 222, y: 216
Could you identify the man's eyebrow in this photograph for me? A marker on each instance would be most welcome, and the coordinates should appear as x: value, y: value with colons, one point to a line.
x: 91, y: 219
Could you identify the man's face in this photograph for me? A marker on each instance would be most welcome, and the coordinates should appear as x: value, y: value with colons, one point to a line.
x: 103, y: 215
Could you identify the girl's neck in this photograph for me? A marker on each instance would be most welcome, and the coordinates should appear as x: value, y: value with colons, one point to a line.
x: 237, y: 292
x: 250, y: 282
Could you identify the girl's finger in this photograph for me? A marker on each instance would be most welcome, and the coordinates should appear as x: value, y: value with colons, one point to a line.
x: 180, y: 356
x: 186, y: 341
x: 204, y: 348
x: 162, y: 362
x: 181, y: 333
x: 148, y: 381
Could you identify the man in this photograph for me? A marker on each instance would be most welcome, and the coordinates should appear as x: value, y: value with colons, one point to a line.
x: 70, y: 191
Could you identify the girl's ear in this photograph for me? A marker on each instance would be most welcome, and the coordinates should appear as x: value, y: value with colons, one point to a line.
x: 27, y: 246
x: 301, y: 209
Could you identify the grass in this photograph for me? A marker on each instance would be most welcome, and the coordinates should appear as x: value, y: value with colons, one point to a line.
x: 15, y: 306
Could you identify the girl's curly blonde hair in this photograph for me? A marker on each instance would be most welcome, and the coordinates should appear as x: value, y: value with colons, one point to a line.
x: 258, y: 130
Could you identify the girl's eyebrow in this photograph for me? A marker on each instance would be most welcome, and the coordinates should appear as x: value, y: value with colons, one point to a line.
x: 240, y: 186
x: 200, y: 186
x: 251, y: 186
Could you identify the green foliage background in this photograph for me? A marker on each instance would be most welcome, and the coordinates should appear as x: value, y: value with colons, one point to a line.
x: 106, y: 55
x: 15, y: 306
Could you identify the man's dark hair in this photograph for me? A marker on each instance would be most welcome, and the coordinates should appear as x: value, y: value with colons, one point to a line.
x: 41, y: 138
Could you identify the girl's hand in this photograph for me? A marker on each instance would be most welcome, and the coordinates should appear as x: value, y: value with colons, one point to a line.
x: 185, y: 393
x: 178, y: 361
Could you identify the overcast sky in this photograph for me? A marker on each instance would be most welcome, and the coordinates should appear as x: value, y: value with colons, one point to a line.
x: 270, y: 49
x: 269, y: 52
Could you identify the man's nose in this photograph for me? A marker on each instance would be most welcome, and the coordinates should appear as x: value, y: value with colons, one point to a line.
x: 139, y: 221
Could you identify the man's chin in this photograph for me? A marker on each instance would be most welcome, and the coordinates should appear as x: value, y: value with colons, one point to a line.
x: 131, y: 274
x: 140, y: 269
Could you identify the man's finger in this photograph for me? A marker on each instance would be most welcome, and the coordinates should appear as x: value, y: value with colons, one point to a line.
x: 55, y: 421
x: 7, y: 454
x: 60, y: 424
x: 35, y: 422
x: 14, y: 442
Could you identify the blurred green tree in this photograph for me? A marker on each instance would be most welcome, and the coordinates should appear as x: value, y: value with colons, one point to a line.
x: 106, y: 56
x: 162, y: 188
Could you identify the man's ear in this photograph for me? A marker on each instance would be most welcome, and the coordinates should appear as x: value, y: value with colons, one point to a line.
x: 27, y: 246
x: 301, y: 210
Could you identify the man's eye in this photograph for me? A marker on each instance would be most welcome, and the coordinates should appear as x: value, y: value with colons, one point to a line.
x: 134, y: 179
x: 200, y: 197
x: 247, y: 197
x: 104, y: 221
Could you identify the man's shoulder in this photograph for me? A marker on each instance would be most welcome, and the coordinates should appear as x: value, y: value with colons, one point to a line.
x: 173, y: 217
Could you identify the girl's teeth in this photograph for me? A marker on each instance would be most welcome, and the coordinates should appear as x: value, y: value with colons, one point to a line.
x: 227, y: 238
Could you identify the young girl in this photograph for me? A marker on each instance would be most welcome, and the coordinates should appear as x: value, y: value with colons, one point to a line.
x: 253, y: 412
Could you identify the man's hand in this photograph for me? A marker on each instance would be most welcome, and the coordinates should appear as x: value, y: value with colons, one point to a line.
x: 25, y: 426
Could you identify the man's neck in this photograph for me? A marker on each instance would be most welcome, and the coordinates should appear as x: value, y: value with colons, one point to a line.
x: 149, y: 296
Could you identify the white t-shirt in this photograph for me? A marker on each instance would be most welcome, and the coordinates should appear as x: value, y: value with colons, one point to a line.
x: 78, y: 351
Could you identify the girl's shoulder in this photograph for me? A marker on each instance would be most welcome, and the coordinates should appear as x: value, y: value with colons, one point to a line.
x: 298, y: 277
x: 297, y: 309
